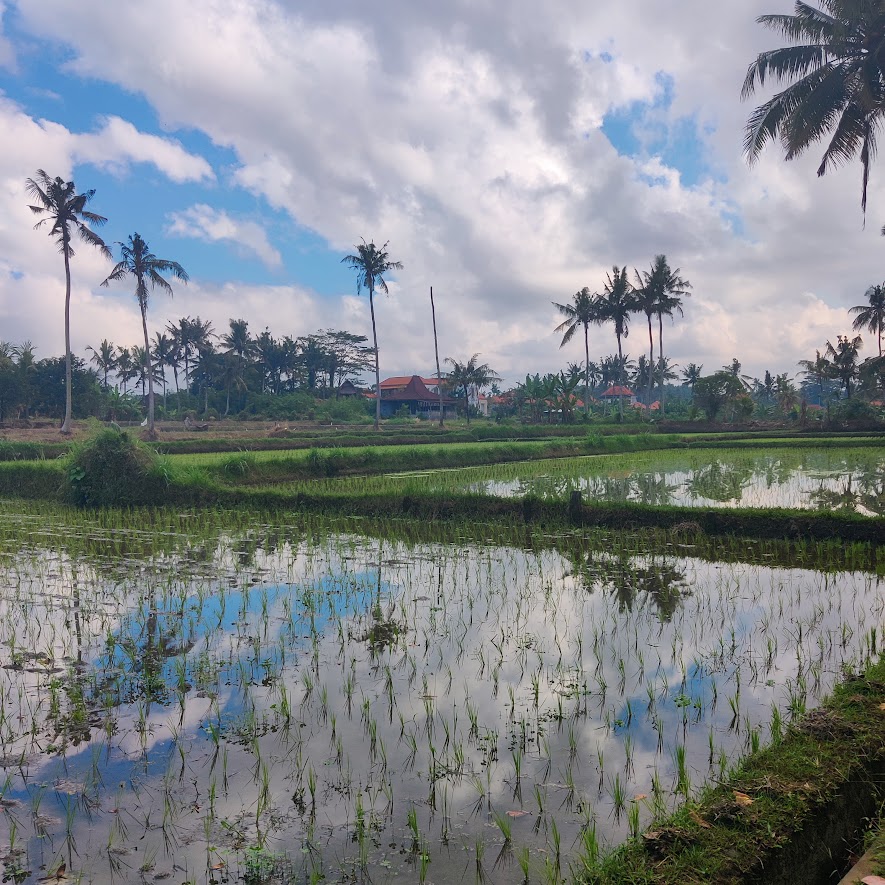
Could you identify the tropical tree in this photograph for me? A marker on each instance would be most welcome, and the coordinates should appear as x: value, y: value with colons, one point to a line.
x: 470, y: 374
x: 843, y: 358
x: 838, y: 90
x: 137, y: 261
x: 579, y: 314
x: 371, y: 262
x: 646, y: 296
x: 690, y: 375
x: 615, y: 305
x: 817, y: 370
x: 125, y: 367
x: 104, y: 358
x: 871, y: 316
x: 670, y: 288
x: 165, y: 357
x: 60, y: 204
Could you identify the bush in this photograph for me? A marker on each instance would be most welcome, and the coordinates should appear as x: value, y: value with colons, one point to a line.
x: 113, y: 469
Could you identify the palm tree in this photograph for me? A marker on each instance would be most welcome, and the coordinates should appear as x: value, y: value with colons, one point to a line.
x: 60, y: 203
x: 104, y: 358
x: 690, y: 375
x: 137, y: 261
x: 836, y: 64
x: 671, y: 289
x: 871, y: 316
x: 844, y: 359
x: 166, y: 357
x: 125, y: 367
x: 580, y: 313
x: 818, y: 369
x: 615, y: 306
x: 470, y: 374
x: 647, y: 294
x: 371, y: 262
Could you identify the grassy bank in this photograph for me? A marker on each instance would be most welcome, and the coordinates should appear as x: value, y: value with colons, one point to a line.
x: 785, y: 815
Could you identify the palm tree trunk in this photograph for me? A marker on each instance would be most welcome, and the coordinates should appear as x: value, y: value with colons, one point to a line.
x: 586, y: 372
x: 66, y: 424
x: 661, y: 354
x: 377, y: 370
x: 467, y: 404
x: 436, y: 351
x: 651, y: 364
x: 620, y: 380
x: 148, y: 372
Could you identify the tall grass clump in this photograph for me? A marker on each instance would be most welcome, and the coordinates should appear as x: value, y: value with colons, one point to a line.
x: 112, y: 469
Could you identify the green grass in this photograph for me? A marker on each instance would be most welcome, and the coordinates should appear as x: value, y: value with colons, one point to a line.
x: 780, y: 814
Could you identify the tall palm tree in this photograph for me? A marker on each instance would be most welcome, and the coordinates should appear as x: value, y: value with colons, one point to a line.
x: 844, y: 359
x: 125, y: 366
x: 470, y: 374
x: 58, y: 201
x: 371, y: 262
x: 871, y: 316
x: 137, y: 261
x: 579, y: 314
x: 646, y: 297
x: 105, y: 358
x: 166, y: 357
x: 615, y: 305
x: 837, y: 91
x: 668, y: 289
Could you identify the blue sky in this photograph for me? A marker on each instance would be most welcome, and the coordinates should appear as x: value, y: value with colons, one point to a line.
x: 508, y: 166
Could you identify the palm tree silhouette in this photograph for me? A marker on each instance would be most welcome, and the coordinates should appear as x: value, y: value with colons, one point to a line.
x: 615, y: 306
x: 371, y: 262
x: 470, y: 374
x: 836, y: 64
x: 580, y: 313
x: 60, y: 203
x: 871, y: 316
x: 137, y: 261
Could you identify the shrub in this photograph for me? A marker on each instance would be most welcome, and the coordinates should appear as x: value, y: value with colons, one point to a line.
x: 113, y: 469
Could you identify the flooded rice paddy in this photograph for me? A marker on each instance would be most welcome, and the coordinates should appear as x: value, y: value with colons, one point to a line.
x: 198, y: 698
x: 851, y: 480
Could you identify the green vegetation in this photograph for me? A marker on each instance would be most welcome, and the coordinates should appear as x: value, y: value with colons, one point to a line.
x: 780, y: 815
x: 113, y: 469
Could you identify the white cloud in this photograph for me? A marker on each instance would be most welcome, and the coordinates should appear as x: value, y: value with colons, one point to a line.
x: 215, y: 225
x: 7, y: 51
x: 468, y: 135
x: 118, y: 143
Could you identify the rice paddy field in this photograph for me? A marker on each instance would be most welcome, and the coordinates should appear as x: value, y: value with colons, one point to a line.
x: 236, y: 697
x: 848, y: 479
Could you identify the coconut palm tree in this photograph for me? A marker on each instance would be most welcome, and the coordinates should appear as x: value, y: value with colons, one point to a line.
x: 836, y: 64
x: 104, y: 358
x: 137, y: 261
x: 871, y: 316
x: 125, y: 367
x: 166, y: 357
x: 470, y: 374
x: 615, y: 305
x: 818, y: 369
x: 58, y: 201
x: 843, y: 357
x: 371, y: 262
x: 579, y: 314
x: 647, y: 293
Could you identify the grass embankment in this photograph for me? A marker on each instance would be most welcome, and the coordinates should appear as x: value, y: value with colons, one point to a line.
x: 787, y: 814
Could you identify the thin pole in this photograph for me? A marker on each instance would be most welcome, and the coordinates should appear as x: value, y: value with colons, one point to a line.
x: 436, y: 351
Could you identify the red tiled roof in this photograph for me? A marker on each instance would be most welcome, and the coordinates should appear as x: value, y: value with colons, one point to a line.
x: 617, y: 390
x: 414, y: 390
x: 403, y: 381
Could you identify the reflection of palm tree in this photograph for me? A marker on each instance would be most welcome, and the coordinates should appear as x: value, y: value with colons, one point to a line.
x: 718, y: 481
x: 660, y: 583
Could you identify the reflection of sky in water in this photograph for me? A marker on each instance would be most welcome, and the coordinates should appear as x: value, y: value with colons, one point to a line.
x: 804, y: 479
x: 482, y: 632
